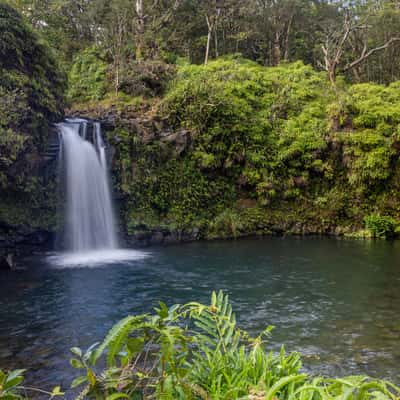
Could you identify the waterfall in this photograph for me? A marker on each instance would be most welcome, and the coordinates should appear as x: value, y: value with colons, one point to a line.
x: 89, y: 221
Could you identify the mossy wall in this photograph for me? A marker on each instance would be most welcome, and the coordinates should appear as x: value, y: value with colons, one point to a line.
x: 31, y: 98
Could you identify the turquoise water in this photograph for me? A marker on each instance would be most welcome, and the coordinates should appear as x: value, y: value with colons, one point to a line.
x: 336, y: 301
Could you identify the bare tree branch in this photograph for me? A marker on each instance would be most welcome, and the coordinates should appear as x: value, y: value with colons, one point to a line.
x: 365, y: 54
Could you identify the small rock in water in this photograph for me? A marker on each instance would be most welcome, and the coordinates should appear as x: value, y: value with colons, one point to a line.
x: 7, y: 262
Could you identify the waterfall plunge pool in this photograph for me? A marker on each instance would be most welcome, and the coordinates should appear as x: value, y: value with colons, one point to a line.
x: 335, y: 301
x: 94, y: 258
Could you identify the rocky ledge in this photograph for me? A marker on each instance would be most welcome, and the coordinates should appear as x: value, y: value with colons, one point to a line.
x: 16, y: 242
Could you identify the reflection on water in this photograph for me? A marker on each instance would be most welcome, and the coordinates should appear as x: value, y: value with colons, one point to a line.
x: 336, y: 301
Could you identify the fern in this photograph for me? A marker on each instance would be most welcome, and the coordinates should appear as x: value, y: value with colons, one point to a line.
x: 116, y: 338
x: 197, y: 352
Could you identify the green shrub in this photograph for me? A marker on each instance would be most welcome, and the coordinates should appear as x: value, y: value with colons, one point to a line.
x: 148, y: 78
x: 227, y: 224
x: 196, y: 351
x: 380, y: 226
x: 87, y: 77
x: 277, y: 135
x: 11, y: 387
x: 190, y: 351
x: 252, y: 122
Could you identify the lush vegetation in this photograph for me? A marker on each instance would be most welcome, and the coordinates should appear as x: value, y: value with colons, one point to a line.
x: 197, y: 351
x: 253, y: 142
x: 269, y: 149
x: 31, y: 92
x: 31, y: 97
x: 356, y: 38
x: 252, y: 117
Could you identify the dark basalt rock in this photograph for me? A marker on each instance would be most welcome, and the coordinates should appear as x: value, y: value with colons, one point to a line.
x: 148, y: 237
x: 22, y: 241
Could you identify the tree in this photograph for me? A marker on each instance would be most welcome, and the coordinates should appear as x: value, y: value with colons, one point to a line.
x: 353, y: 30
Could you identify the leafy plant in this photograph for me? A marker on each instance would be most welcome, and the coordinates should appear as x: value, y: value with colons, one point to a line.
x: 87, y: 77
x: 11, y: 387
x: 190, y: 351
x: 196, y: 351
x: 380, y: 226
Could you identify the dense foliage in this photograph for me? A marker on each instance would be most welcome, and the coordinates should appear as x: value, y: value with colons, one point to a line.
x: 196, y: 351
x: 357, y: 38
x: 260, y: 148
x: 269, y: 149
x: 87, y: 77
x: 31, y: 96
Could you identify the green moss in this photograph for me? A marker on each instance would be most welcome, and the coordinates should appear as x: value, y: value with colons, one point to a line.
x: 31, y: 98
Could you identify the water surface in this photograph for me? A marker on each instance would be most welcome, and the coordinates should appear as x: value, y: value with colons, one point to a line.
x: 336, y: 301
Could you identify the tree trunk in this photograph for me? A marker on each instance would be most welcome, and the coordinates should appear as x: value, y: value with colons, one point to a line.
x: 216, y: 42
x: 332, y: 74
x: 116, y: 79
x: 276, y: 52
x: 140, y: 29
x: 209, y: 25
x: 287, y: 39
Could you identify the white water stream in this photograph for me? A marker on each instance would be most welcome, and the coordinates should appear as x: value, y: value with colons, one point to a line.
x: 89, y: 226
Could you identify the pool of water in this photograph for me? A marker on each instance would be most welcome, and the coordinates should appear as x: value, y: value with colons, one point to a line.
x: 336, y: 301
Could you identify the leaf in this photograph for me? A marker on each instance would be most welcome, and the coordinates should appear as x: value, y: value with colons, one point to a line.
x: 14, y: 374
x: 115, y: 396
x: 13, y: 382
x: 76, y: 363
x: 135, y: 345
x: 214, y: 299
x: 78, y: 381
x: 115, y: 338
x: 163, y: 310
x: 91, y: 377
x: 56, y: 392
x: 281, y: 384
x: 77, y: 351
x: 3, y: 377
x: 89, y: 352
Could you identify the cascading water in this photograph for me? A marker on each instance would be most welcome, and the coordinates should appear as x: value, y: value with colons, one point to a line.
x: 89, y: 216
x: 89, y: 226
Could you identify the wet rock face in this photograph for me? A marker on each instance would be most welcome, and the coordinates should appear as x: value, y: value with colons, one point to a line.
x: 22, y: 241
x: 141, y: 122
x: 148, y: 237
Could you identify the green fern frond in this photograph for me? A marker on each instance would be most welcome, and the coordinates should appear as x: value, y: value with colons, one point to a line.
x: 117, y: 337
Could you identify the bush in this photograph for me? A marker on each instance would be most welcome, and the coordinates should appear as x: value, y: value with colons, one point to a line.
x: 196, y: 351
x: 11, y: 387
x: 257, y: 124
x: 227, y: 224
x: 277, y: 135
x: 87, y: 77
x: 147, y: 78
x: 380, y: 226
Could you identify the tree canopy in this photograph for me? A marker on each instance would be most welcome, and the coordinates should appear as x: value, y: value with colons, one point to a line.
x: 358, y: 38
